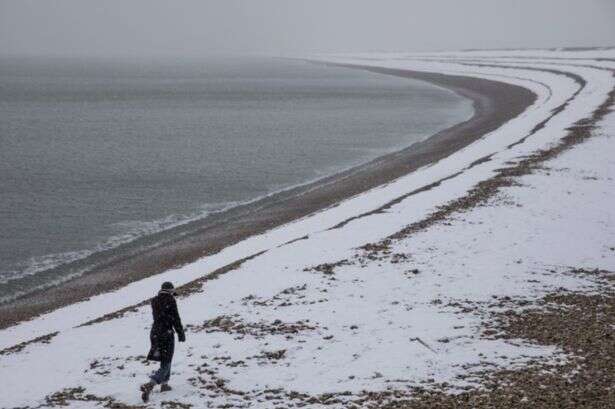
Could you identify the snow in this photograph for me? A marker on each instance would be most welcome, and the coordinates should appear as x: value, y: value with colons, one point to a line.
x: 378, y: 324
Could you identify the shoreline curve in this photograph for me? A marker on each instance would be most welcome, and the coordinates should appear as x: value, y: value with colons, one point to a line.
x: 495, y: 103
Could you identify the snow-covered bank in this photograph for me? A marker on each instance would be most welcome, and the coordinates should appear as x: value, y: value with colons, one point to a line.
x: 367, y: 320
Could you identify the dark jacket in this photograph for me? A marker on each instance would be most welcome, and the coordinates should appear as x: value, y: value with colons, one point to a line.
x: 166, y: 319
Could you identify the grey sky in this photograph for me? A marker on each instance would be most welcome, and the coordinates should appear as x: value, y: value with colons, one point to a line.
x: 154, y: 27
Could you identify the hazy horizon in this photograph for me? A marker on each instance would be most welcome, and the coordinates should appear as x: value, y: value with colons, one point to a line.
x: 153, y: 28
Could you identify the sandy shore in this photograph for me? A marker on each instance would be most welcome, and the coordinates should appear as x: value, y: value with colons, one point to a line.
x: 495, y: 103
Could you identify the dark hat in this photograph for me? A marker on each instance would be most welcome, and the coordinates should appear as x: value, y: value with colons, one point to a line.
x: 167, y: 285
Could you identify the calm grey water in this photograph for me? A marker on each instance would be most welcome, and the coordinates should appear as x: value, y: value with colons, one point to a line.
x: 96, y: 153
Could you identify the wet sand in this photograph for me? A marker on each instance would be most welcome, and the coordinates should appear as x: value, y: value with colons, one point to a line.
x: 494, y: 104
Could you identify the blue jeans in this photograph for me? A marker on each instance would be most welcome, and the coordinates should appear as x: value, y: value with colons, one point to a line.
x: 163, y: 373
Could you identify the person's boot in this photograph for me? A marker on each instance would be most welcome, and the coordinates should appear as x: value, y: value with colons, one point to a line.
x: 146, y: 389
x: 165, y: 387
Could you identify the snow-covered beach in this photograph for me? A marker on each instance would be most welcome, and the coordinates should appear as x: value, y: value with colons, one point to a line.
x: 485, y: 272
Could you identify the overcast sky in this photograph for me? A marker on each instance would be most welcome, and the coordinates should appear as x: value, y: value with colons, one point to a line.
x: 169, y: 27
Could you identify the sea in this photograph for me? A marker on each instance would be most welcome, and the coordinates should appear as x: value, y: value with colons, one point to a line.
x: 96, y: 153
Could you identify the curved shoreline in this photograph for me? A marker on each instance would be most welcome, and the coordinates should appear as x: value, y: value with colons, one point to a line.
x: 494, y: 104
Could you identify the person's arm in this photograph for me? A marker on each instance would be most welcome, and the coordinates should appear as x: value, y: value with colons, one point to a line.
x: 151, y: 303
x: 177, y: 322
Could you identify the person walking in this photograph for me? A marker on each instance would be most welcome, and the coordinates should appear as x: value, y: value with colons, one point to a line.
x: 162, y: 337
